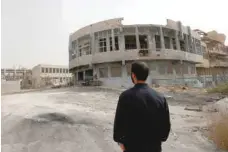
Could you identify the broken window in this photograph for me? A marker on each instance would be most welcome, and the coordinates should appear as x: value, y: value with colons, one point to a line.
x: 193, y: 70
x: 162, y: 69
x: 43, y: 70
x: 185, y: 68
x: 182, y: 45
x: 102, y: 45
x: 130, y: 42
x: 50, y: 70
x: 116, y: 43
x: 53, y: 70
x: 74, y: 49
x: 167, y: 42
x: 178, y: 69
x: 158, y: 41
x: 60, y: 70
x: 46, y: 70
x: 174, y: 44
x: 170, y: 68
x: 143, y: 40
x: 103, y: 72
x: 198, y: 46
x: 110, y: 43
x: 80, y: 50
x: 74, y: 44
x: 203, y: 48
x: 80, y: 76
x: 86, y: 48
x: 116, y: 71
x: 57, y: 70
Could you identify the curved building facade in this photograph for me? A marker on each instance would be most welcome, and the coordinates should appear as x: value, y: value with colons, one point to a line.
x: 106, y: 50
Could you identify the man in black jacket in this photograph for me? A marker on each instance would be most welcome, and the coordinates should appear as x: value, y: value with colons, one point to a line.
x: 142, y: 120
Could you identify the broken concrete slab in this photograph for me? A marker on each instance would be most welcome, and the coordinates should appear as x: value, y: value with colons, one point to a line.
x: 193, y: 108
x: 219, y: 106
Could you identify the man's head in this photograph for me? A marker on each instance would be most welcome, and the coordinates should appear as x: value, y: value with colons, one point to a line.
x: 139, y: 72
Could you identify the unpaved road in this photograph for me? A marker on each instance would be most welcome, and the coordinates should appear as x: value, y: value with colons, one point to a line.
x: 80, y: 120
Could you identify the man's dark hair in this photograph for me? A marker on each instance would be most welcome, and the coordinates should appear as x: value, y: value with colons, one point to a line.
x: 141, y: 70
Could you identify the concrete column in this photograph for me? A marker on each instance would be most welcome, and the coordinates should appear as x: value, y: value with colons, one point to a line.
x: 84, y: 75
x: 162, y: 39
x: 107, y: 42
x: 150, y: 43
x: 113, y: 40
x: 124, y: 69
x: 92, y: 43
x: 109, y: 71
x: 187, y: 43
x: 77, y: 49
x: 194, y: 46
x: 171, y: 43
x: 153, y: 42
x: 76, y: 76
x: 137, y: 37
x: 177, y: 40
x: 70, y: 49
x: 121, y: 42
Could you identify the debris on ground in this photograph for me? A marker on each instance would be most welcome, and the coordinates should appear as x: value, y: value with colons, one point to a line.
x: 193, y: 108
x: 214, y: 99
x: 219, y: 106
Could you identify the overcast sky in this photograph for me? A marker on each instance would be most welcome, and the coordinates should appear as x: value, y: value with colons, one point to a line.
x: 37, y: 31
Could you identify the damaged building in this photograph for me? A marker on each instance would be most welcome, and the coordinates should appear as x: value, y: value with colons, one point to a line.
x: 105, y: 51
x: 215, y: 53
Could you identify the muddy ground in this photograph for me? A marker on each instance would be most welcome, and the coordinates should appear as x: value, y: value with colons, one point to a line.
x: 81, y: 120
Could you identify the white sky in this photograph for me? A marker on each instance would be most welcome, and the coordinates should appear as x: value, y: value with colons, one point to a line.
x: 37, y: 31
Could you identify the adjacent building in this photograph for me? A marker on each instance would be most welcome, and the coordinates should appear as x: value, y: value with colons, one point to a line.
x: 106, y: 49
x: 46, y: 75
x: 10, y: 74
x: 215, y: 55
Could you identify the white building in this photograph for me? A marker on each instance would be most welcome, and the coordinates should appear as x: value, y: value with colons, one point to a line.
x: 106, y: 49
x: 46, y: 75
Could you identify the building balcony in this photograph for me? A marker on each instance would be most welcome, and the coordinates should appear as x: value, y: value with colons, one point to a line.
x: 117, y: 56
x: 80, y: 61
x: 219, y: 64
x: 205, y: 64
x: 218, y: 52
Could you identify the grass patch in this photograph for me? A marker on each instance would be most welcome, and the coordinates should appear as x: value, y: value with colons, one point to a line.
x: 219, y: 89
x: 218, y: 130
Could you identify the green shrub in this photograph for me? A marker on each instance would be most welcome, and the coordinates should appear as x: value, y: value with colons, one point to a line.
x: 219, y: 89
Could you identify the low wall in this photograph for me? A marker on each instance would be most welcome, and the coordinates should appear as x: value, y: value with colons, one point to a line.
x: 10, y: 86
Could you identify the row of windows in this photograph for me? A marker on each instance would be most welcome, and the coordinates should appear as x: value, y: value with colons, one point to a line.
x: 115, y: 72
x: 179, y: 70
x: 54, y: 70
x: 130, y: 43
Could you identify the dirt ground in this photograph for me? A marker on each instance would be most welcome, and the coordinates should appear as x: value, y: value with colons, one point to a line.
x: 81, y: 119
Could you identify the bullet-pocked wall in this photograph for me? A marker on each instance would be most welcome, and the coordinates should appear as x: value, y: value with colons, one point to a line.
x: 107, y: 48
x: 118, y: 74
